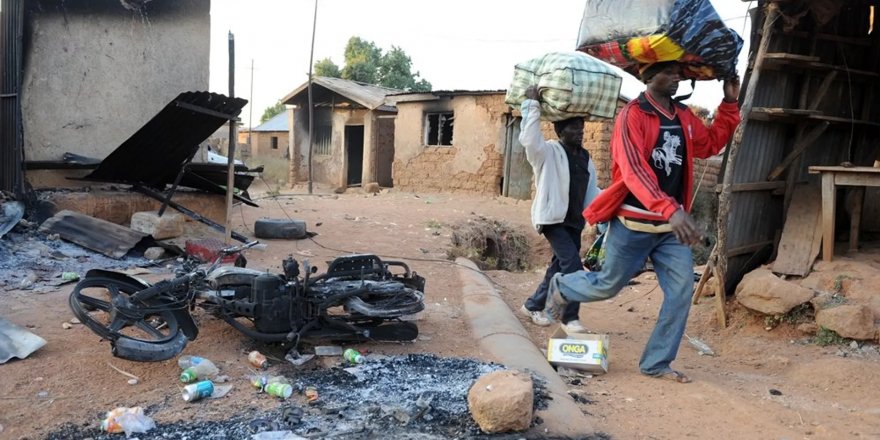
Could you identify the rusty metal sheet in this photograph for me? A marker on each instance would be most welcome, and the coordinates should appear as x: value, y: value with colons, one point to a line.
x: 92, y: 233
x: 156, y: 153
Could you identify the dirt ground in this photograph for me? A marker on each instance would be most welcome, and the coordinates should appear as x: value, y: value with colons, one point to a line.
x: 818, y: 392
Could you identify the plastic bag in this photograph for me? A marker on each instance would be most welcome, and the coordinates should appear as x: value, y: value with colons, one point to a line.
x: 127, y: 420
x: 571, y: 84
x: 626, y: 33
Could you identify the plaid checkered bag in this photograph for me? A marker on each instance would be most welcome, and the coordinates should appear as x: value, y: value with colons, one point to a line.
x: 572, y: 84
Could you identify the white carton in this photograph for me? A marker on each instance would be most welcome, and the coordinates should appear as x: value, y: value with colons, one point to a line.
x: 580, y: 351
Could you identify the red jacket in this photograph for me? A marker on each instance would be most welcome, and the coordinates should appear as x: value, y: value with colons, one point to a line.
x: 635, y: 134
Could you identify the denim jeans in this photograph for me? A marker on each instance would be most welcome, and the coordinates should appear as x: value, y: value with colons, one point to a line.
x: 625, y: 253
x: 566, y: 244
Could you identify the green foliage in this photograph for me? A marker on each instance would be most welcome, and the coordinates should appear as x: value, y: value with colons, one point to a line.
x: 361, y: 61
x: 365, y: 62
x: 838, y: 281
x: 271, y: 112
x: 434, y: 224
x: 825, y: 337
x: 326, y: 67
x: 799, y: 314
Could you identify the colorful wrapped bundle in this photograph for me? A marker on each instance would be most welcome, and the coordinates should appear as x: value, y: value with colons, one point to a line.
x: 571, y: 84
x: 627, y: 33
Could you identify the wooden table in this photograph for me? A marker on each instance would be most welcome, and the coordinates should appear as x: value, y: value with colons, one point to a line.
x: 832, y: 177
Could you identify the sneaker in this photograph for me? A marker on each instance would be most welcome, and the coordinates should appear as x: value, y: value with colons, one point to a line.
x: 574, y: 326
x: 555, y: 301
x: 537, y: 316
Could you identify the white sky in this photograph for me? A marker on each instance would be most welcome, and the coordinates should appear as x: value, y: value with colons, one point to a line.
x: 454, y: 44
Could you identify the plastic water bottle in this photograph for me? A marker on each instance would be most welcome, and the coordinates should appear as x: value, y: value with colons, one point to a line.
x: 353, y: 356
x: 187, y: 361
x: 203, y: 370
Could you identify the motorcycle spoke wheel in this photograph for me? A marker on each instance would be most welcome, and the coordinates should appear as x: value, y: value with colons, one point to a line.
x: 92, y: 302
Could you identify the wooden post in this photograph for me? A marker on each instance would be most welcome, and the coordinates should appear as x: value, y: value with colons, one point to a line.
x: 720, y: 269
x: 233, y: 140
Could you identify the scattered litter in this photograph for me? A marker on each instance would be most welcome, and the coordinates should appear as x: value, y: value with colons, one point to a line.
x: 74, y: 321
x: 258, y: 360
x: 66, y: 325
x: 220, y: 391
x: 328, y: 350
x: 43, y: 394
x: 125, y: 373
x: 69, y: 276
x: 127, y: 420
x: 221, y: 379
x: 295, y: 358
x: 702, y: 348
x: 775, y: 392
x: 425, y: 338
x: 202, y: 370
x: 311, y: 394
x: 198, y: 390
x: 132, y: 381
x: 353, y: 356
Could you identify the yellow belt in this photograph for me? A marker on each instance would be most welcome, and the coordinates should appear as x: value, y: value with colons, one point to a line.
x: 633, y: 225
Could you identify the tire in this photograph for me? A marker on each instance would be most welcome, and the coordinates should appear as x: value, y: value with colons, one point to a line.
x: 387, y: 305
x: 280, y: 228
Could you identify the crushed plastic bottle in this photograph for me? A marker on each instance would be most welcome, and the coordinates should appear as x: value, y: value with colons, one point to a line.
x: 702, y: 348
x: 187, y: 361
x: 205, y: 369
x: 353, y: 356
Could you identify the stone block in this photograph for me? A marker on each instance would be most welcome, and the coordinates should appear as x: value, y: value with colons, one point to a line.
x: 170, y: 225
x: 762, y: 291
x: 853, y: 321
x: 502, y: 401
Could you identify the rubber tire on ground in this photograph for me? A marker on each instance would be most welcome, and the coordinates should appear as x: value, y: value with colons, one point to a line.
x: 279, y: 228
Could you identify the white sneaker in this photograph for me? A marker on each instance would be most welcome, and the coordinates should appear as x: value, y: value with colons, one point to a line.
x: 574, y: 327
x: 538, y: 317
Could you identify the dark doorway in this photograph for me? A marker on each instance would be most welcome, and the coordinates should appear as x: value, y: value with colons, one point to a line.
x: 354, y: 153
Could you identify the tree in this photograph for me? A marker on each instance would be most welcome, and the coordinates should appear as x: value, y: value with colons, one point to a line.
x: 272, y: 111
x: 364, y: 62
x: 327, y: 67
x: 361, y: 61
x: 395, y: 71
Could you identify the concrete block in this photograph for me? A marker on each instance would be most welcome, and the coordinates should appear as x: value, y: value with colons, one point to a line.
x: 170, y: 225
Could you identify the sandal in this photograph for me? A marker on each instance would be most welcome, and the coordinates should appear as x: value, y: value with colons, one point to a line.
x: 674, y: 376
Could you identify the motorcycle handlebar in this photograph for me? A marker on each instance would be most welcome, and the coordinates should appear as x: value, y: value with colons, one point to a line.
x: 164, y: 286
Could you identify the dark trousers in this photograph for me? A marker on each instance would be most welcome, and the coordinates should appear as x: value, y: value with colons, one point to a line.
x: 566, y: 244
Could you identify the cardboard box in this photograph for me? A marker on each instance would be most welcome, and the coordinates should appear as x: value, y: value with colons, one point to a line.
x: 580, y: 351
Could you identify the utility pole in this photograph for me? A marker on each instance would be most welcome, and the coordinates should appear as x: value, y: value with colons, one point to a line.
x: 230, y: 164
x: 251, y: 116
x: 311, y: 104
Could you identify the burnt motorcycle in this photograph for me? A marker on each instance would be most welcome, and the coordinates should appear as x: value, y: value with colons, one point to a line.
x: 358, y: 298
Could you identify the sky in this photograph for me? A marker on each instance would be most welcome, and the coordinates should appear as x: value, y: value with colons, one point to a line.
x: 454, y: 44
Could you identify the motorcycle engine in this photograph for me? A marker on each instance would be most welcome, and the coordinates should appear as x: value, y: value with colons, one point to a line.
x: 272, y: 311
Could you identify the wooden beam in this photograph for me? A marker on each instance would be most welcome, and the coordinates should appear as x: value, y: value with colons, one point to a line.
x: 798, y: 149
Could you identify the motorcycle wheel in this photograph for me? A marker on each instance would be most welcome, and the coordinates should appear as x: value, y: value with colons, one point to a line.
x: 387, y: 304
x: 92, y: 302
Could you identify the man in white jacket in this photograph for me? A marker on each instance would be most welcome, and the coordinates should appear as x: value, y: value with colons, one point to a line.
x: 565, y: 179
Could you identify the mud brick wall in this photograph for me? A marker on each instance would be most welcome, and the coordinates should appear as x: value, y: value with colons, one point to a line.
x: 433, y: 170
x: 706, y: 174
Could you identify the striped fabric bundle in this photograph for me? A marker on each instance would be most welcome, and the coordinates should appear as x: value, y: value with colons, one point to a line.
x: 571, y: 84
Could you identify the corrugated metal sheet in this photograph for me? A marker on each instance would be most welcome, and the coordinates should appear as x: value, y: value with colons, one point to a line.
x: 757, y: 217
x: 367, y: 95
x: 157, y: 151
x: 11, y: 157
x: 276, y: 123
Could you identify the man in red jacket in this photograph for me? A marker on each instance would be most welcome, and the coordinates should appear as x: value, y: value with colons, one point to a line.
x: 647, y: 205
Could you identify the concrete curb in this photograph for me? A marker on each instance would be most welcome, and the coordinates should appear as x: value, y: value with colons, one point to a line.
x: 501, y: 335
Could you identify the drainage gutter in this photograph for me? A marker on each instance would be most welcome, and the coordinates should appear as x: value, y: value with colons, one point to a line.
x: 503, y: 337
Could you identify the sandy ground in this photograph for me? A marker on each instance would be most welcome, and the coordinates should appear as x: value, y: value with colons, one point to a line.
x: 823, y: 392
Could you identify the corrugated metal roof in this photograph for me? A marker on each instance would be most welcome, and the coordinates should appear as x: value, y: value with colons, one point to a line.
x: 156, y: 152
x: 368, y: 95
x: 276, y: 123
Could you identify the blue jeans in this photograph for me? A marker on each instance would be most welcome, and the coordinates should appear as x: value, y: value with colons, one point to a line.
x: 566, y: 245
x: 625, y: 253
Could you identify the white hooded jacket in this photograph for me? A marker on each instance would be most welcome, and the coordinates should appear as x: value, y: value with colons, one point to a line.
x: 550, y: 166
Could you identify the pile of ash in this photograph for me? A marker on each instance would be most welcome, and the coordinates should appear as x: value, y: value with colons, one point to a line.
x: 407, y: 397
x: 30, y: 260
